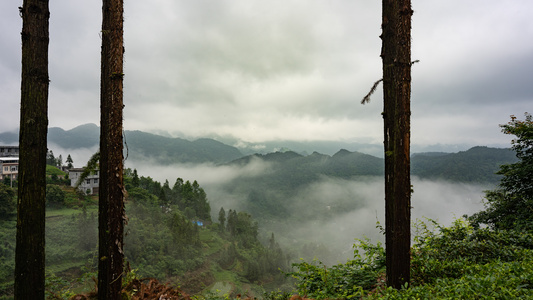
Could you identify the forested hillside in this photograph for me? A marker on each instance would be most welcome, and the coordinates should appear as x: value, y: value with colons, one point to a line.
x: 288, y: 173
x: 169, y: 236
x: 164, y: 150
x: 478, y: 164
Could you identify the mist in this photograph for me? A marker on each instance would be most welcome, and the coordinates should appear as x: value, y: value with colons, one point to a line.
x: 441, y: 201
x: 79, y: 156
x: 329, y: 213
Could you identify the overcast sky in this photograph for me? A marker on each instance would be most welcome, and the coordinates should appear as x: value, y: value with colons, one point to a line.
x: 284, y: 69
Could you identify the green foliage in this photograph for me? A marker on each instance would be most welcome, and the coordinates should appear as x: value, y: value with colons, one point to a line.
x: 222, y: 218
x: 343, y: 280
x: 87, y: 224
x: 7, y: 255
x: 50, y: 158
x: 52, y: 170
x: 511, y: 205
x: 518, y: 177
x: 7, y: 181
x: 90, y: 168
x: 55, y: 196
x: 142, y: 196
x: 456, y: 262
x: 8, y: 205
x: 505, y: 211
x: 478, y: 164
x: 135, y: 179
x: 70, y: 162
x: 57, y: 288
x: 70, y: 240
x: 160, y: 243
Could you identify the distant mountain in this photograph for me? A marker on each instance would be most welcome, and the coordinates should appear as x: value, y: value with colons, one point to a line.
x: 165, y: 150
x: 83, y: 136
x: 478, y: 164
x: 9, y: 138
x: 287, y: 173
x: 141, y: 145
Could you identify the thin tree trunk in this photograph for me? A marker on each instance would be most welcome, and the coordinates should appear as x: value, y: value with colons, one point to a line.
x: 111, y: 190
x: 29, y: 254
x: 396, y: 55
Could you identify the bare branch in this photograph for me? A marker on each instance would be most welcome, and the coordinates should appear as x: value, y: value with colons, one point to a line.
x: 366, y: 99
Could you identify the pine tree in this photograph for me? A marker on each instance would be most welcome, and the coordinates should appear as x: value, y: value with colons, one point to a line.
x: 222, y: 218
x: 396, y: 56
x: 111, y: 213
x: 70, y: 162
x: 30, y: 238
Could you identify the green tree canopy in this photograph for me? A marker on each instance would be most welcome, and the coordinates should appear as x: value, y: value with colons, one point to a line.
x: 222, y: 217
x: 511, y: 205
x: 518, y: 177
x: 54, y: 195
x: 7, y: 200
x: 70, y: 162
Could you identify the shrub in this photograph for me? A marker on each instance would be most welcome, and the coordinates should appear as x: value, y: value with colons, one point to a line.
x: 54, y: 195
x: 456, y: 262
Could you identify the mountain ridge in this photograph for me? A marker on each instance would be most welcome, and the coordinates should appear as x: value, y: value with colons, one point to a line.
x: 141, y: 145
x: 477, y: 164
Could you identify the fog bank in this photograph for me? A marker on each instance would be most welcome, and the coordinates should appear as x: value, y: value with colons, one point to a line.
x: 332, y: 212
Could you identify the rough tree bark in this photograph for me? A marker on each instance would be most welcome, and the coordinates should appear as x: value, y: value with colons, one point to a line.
x: 396, y: 56
x: 111, y: 190
x: 29, y: 253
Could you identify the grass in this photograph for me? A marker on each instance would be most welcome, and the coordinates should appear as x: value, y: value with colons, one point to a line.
x: 212, y: 240
x: 51, y: 170
x: 67, y: 212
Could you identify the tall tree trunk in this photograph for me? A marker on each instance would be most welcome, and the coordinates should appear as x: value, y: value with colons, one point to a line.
x: 396, y: 56
x: 29, y: 254
x: 111, y: 191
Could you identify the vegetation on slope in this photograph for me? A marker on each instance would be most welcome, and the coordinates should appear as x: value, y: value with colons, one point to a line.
x: 170, y: 237
x: 457, y: 262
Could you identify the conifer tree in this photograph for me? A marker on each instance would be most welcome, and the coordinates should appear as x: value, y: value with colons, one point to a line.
x: 396, y: 57
x: 70, y: 162
x: 30, y: 238
x: 111, y: 213
x: 222, y: 218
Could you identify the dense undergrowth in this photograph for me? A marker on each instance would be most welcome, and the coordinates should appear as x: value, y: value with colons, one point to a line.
x: 170, y: 238
x: 456, y: 262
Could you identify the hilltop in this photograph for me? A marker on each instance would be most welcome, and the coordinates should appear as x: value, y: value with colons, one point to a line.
x: 141, y: 145
x: 290, y: 168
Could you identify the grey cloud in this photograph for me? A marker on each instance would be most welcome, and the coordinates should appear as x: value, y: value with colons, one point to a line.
x: 283, y: 69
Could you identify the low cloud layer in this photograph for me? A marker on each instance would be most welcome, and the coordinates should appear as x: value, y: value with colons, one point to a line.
x: 283, y: 70
x: 347, y: 209
x: 437, y: 200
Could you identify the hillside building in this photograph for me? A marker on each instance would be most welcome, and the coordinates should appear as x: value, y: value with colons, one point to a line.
x: 89, y: 185
x: 9, y: 167
x: 9, y: 151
